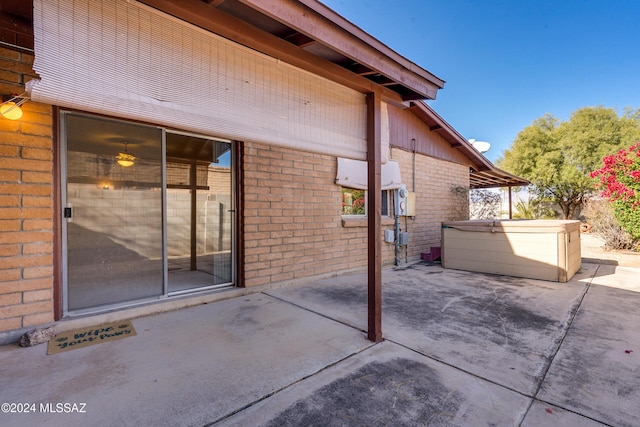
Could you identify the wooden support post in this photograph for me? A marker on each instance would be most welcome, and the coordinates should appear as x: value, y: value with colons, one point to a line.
x: 374, y: 211
x: 193, y: 180
x: 510, y: 205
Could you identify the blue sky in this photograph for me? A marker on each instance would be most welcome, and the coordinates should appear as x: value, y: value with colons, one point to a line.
x: 507, y: 63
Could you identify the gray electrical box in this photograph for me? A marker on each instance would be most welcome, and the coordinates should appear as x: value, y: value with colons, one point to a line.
x: 403, y: 238
x: 389, y: 236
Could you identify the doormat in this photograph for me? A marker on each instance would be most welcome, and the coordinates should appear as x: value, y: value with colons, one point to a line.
x: 89, y: 336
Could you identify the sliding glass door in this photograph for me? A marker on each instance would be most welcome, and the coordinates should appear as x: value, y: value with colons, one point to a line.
x: 199, y: 212
x: 147, y: 213
x: 113, y: 212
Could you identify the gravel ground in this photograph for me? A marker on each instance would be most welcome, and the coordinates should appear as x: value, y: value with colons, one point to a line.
x: 593, y: 251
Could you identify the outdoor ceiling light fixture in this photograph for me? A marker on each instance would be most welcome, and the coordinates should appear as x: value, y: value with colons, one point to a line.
x: 125, y: 159
x: 10, y: 107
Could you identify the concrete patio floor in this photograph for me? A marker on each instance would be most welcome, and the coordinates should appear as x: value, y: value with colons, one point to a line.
x: 459, y: 349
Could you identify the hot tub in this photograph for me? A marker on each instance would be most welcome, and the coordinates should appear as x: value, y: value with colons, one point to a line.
x: 536, y: 249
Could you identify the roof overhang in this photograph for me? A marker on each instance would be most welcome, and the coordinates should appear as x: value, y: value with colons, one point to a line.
x: 482, y: 173
x: 304, y: 33
x: 495, y: 178
x: 309, y: 35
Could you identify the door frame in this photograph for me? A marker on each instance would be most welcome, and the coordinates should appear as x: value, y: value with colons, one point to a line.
x: 60, y: 273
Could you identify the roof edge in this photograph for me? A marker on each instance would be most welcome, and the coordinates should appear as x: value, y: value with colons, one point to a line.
x: 352, y: 28
x: 486, y: 174
x: 331, y: 29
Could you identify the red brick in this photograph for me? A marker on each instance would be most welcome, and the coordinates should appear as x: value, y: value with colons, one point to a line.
x: 36, y: 153
x: 11, y: 323
x: 38, y: 225
x: 7, y: 275
x: 25, y: 309
x: 37, y: 177
x: 282, y: 277
x: 9, y: 201
x: 9, y: 87
x: 9, y: 151
x: 17, y: 213
x: 9, y: 250
x: 38, y: 319
x: 269, y: 227
x: 256, y: 281
x: 27, y: 164
x: 270, y: 256
x: 27, y: 261
x: 29, y: 189
x: 9, y: 54
x: 38, y: 115
x: 36, y: 129
x: 25, y: 237
x: 16, y: 285
x: 9, y: 138
x: 10, y: 299
x: 9, y: 176
x: 37, y: 272
x: 40, y: 295
x: 8, y: 224
x: 26, y: 58
x: 15, y: 66
x: 36, y: 202
x: 36, y: 248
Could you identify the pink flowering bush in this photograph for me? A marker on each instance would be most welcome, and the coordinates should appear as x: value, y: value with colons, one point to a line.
x: 619, y: 182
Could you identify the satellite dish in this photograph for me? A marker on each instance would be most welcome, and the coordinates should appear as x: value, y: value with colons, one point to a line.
x: 481, y: 146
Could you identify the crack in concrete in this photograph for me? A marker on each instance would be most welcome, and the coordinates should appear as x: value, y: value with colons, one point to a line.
x: 556, y: 348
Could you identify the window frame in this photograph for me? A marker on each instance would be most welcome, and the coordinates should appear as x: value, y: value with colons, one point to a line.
x: 386, y: 208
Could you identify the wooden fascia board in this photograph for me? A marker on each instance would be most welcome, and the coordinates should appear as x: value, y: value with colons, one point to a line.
x: 212, y: 19
x: 486, y: 175
x: 445, y: 130
x: 322, y: 24
x: 365, y: 37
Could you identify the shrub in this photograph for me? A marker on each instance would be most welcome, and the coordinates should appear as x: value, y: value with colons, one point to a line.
x: 619, y: 180
x: 477, y: 203
x: 533, y: 209
x: 600, y: 215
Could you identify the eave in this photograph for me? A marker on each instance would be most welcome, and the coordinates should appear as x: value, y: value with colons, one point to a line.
x: 482, y: 173
x: 311, y: 36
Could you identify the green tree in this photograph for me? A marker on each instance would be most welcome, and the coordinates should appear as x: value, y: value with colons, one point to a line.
x: 533, y: 209
x: 558, y: 156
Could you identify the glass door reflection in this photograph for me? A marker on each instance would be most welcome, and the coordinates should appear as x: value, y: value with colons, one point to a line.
x: 112, y: 196
x: 199, y: 212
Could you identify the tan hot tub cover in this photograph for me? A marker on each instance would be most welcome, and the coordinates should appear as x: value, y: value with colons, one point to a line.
x: 537, y: 249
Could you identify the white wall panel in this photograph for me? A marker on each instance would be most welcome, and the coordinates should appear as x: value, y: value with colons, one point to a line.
x: 128, y: 60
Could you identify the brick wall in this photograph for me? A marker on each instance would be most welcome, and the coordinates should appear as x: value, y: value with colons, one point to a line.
x: 293, y: 221
x: 435, y: 202
x: 26, y: 226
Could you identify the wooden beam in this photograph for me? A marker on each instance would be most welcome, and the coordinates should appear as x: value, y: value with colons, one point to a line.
x: 300, y: 40
x: 510, y: 205
x: 332, y: 30
x: 237, y: 166
x: 360, y: 69
x: 374, y: 215
x: 193, y: 182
